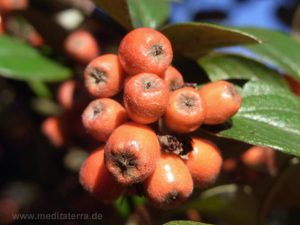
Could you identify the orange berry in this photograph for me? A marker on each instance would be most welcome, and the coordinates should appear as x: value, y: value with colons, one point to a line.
x: 1, y: 25
x: 145, y: 50
x: 294, y: 84
x: 229, y: 165
x: 145, y: 97
x: 173, y: 78
x: 222, y: 101
x: 53, y: 129
x: 185, y: 111
x: 104, y: 76
x: 170, y: 184
x: 81, y: 46
x: 71, y: 94
x: 7, y: 6
x: 35, y: 39
x: 260, y: 158
x: 131, y: 153
x: 102, y: 116
x: 96, y: 179
x: 204, y: 162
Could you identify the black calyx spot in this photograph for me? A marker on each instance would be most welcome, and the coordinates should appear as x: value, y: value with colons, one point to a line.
x: 125, y: 161
x: 98, y: 76
x: 157, y: 50
x: 97, y: 109
x: 171, y: 197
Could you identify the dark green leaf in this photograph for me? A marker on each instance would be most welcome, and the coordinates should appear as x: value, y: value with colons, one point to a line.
x: 136, y: 13
x: 22, y: 62
x: 229, y: 203
x: 148, y: 13
x: 184, y: 222
x: 229, y: 66
x: 196, y: 39
x: 268, y: 116
x: 277, y: 48
x: 118, y: 10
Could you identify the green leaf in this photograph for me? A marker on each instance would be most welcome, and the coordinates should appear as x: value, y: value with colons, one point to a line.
x: 40, y: 89
x: 118, y: 10
x: 22, y: 62
x: 230, y: 66
x: 148, y: 13
x: 269, y: 116
x: 278, y: 48
x: 136, y: 13
x: 196, y: 39
x: 230, y: 203
x: 184, y: 222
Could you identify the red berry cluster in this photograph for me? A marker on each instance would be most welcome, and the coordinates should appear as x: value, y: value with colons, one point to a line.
x: 144, y: 114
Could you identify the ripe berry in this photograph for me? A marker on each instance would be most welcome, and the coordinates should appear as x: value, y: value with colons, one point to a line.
x: 96, y: 179
x: 145, y: 50
x: 204, y: 162
x: 145, y: 97
x: 102, y: 116
x: 230, y: 165
x: 53, y: 128
x: 185, y: 111
x: 104, y: 76
x: 35, y: 39
x: 173, y: 78
x: 222, y: 101
x: 7, y: 6
x: 260, y: 158
x: 170, y: 184
x: 1, y: 25
x: 294, y: 84
x: 81, y: 46
x: 131, y: 153
x: 71, y: 94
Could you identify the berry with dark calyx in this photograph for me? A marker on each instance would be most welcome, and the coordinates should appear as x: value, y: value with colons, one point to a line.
x: 170, y: 184
x: 145, y: 97
x: 131, y: 153
x: 145, y: 50
x: 102, y: 116
x: 96, y: 179
x: 104, y: 76
x: 186, y: 110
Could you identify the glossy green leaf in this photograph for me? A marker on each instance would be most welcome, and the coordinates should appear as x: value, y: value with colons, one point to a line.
x: 196, y: 39
x: 118, y: 10
x: 278, y: 48
x: 148, y: 13
x: 230, y: 66
x: 136, y: 13
x: 184, y: 222
x: 22, y: 62
x: 269, y: 116
x: 230, y: 203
